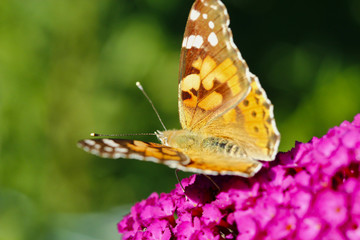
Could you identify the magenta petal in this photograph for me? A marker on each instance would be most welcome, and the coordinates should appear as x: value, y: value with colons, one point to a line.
x: 300, y: 202
x: 282, y: 225
x: 184, y: 230
x: 355, y: 207
x: 264, y: 211
x: 326, y: 146
x: 350, y: 138
x: 356, y: 121
x: 246, y: 226
x: 331, y: 206
x: 353, y: 230
x: 334, y: 234
x: 357, y: 152
x: 211, y: 214
x: 159, y: 230
x: 206, y: 234
x: 303, y: 178
x: 342, y: 159
x: 151, y: 212
x: 310, y: 228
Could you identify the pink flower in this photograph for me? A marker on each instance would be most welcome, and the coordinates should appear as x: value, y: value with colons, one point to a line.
x: 310, y: 192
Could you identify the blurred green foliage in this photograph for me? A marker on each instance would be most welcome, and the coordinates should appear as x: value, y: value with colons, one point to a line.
x: 68, y: 68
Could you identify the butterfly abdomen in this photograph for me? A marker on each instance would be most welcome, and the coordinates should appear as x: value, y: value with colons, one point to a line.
x: 224, y: 146
x: 189, y: 141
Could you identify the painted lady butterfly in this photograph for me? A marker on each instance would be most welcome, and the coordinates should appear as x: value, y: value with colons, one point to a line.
x: 227, y: 120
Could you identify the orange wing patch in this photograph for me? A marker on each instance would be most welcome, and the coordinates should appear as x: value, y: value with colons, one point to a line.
x: 211, y: 101
x: 223, y: 72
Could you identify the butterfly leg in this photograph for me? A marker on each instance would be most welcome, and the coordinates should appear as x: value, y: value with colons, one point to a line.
x: 212, y: 181
x: 178, y: 179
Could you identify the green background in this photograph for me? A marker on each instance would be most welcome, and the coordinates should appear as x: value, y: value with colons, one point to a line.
x: 69, y: 67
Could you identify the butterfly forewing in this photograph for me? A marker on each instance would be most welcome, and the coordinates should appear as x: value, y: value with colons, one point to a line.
x: 213, y: 76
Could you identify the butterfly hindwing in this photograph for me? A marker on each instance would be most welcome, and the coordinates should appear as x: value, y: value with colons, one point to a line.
x: 213, y: 76
x: 134, y: 149
x: 250, y: 124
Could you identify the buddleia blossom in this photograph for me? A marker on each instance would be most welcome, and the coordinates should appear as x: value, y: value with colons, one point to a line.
x: 310, y: 192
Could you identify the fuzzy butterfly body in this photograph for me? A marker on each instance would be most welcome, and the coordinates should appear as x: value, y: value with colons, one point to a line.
x: 227, y: 120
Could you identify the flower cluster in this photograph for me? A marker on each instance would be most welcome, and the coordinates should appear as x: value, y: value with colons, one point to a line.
x: 310, y: 192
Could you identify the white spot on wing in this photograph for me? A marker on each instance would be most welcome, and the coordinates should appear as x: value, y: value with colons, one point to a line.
x: 94, y: 151
x: 172, y: 164
x: 121, y: 150
x: 190, y: 41
x: 213, y: 40
x: 90, y: 142
x: 198, y: 41
x: 118, y: 155
x: 97, y: 146
x: 152, y: 159
x: 136, y: 156
x: 108, y: 149
x: 211, y: 24
x: 194, y: 14
x: 110, y: 142
x: 205, y: 16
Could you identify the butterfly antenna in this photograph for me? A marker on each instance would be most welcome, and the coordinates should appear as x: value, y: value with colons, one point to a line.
x: 152, y: 105
x: 119, y: 135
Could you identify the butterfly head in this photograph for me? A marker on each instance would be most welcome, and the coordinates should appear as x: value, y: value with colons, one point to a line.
x: 163, y: 138
x: 174, y: 138
x: 180, y: 139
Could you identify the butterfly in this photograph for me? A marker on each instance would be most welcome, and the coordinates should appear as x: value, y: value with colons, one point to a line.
x: 227, y: 120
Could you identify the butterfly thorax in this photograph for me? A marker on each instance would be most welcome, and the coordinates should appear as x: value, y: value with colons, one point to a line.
x: 188, y: 141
